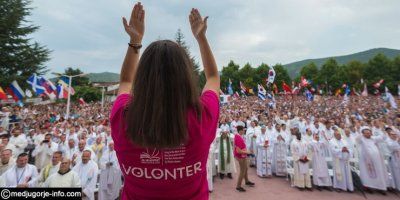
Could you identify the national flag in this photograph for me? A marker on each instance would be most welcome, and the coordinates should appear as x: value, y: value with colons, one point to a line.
x: 28, y: 93
x: 296, y: 90
x: 262, y: 93
x: 271, y: 75
x: 65, y: 82
x: 242, y: 88
x: 230, y: 90
x: 347, y: 90
x: 236, y: 95
x: 304, y: 82
x: 3, y: 95
x: 34, y: 82
x: 81, y: 101
x: 61, y: 92
x: 17, y: 92
x: 48, y: 85
x: 391, y: 99
x: 378, y: 84
x: 286, y: 88
x: 309, y: 95
x: 365, y: 91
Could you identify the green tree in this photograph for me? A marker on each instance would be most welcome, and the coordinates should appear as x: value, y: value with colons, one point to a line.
x: 353, y: 73
x: 88, y: 93
x: 329, y: 74
x: 261, y: 74
x: 20, y: 56
x: 281, y: 76
x: 380, y: 67
x: 310, y: 72
x: 79, y: 80
x: 230, y: 72
x: 180, y: 39
x: 246, y: 75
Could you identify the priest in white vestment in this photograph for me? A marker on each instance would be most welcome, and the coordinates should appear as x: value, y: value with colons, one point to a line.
x: 280, y: 150
x: 373, y: 171
x: 6, y: 160
x: 226, y: 162
x: 65, y: 177
x: 251, y: 136
x: 44, y: 151
x: 211, y: 166
x: 87, y: 171
x: 51, y: 168
x: 393, y: 143
x: 18, y: 142
x: 110, y: 174
x: 341, y: 154
x: 300, y: 151
x: 321, y: 176
x: 21, y: 175
x: 264, y: 153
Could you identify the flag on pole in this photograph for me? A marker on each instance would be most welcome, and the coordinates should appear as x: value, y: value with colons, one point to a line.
x: 61, y: 92
x: 309, y: 95
x: 365, y: 91
x: 65, y: 82
x: 271, y: 75
x: 81, y: 101
x: 262, y: 93
x: 242, y: 88
x: 17, y: 92
x: 347, y: 90
x: 304, y: 82
x: 28, y: 93
x: 230, y: 90
x: 36, y: 87
x: 391, y: 99
x: 48, y: 85
x: 3, y: 95
x: 378, y: 84
x: 286, y: 88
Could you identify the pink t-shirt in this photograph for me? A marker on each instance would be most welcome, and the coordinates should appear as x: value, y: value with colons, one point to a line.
x: 239, y: 142
x: 178, y: 173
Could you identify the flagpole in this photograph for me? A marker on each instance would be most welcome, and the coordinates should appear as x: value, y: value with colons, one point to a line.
x: 69, y: 96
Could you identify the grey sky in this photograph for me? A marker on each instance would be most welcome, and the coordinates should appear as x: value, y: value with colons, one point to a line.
x: 89, y: 34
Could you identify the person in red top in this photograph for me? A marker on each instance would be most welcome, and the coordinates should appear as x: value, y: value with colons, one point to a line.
x: 241, y: 154
x: 161, y: 126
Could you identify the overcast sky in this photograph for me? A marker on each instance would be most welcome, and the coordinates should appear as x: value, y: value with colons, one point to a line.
x: 89, y: 34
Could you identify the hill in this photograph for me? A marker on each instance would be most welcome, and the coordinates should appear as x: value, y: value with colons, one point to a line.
x: 295, y: 67
x: 103, y: 77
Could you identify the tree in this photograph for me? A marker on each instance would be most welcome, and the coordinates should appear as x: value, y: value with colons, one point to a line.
x: 179, y: 38
x: 329, y: 74
x: 281, y: 76
x: 353, y: 73
x: 230, y: 72
x: 246, y: 75
x: 310, y: 72
x: 77, y: 81
x: 87, y: 93
x: 20, y: 57
x: 261, y: 74
x: 380, y: 67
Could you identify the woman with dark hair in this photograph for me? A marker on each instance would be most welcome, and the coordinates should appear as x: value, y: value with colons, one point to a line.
x: 162, y: 128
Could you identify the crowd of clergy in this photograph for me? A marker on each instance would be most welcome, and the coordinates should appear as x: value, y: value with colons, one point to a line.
x: 324, y: 144
x: 39, y: 148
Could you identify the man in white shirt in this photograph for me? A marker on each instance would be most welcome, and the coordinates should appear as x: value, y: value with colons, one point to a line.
x: 65, y: 177
x: 18, y: 141
x: 22, y: 175
x: 51, y: 168
x: 6, y: 160
x: 87, y: 170
x: 44, y: 151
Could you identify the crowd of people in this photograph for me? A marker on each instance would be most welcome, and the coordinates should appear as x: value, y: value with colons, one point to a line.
x: 319, y: 143
x: 327, y: 143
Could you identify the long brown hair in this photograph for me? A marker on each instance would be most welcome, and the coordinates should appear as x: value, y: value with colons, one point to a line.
x: 164, y: 89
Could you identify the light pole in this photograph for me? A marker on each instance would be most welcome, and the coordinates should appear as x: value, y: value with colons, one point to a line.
x: 69, y: 90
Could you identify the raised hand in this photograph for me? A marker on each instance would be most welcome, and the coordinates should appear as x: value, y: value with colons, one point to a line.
x: 135, y: 28
x: 198, y: 24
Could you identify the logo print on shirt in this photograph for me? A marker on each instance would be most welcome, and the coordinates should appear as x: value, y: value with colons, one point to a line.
x: 153, y: 158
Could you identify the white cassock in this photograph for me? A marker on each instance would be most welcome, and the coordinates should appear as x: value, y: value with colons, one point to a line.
x: 46, y: 172
x: 280, y: 150
x: 110, y: 176
x: 342, y: 178
x: 225, y: 155
x: 69, y: 180
x: 210, y: 166
x: 373, y: 171
x: 320, y: 166
x: 302, y: 176
x: 251, y: 143
x: 19, y: 143
x: 15, y: 176
x: 69, y: 152
x: 43, y: 154
x: 264, y: 155
x: 88, y: 175
x: 394, y: 161
x: 78, y: 154
x: 5, y: 167
x: 63, y: 147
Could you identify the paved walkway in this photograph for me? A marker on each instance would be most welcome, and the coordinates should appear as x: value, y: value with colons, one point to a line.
x: 279, y: 189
